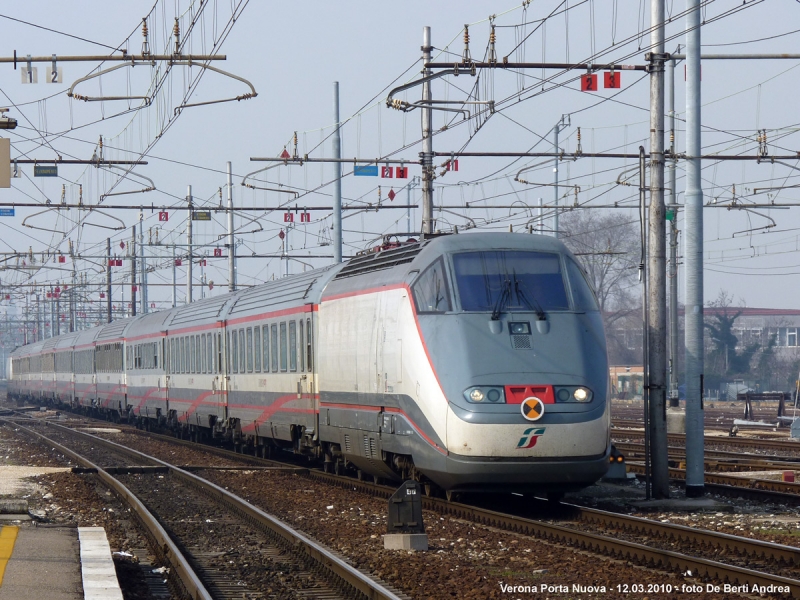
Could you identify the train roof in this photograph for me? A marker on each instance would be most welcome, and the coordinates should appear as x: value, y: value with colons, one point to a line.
x: 367, y: 271
x: 394, y: 265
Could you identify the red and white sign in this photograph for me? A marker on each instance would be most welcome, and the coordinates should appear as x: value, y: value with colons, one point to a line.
x: 589, y: 82
x: 452, y: 165
x: 62, y: 259
x: 178, y: 262
x: 288, y: 217
x: 391, y: 194
x: 281, y: 234
x: 612, y: 79
x: 285, y: 155
x: 163, y: 216
x: 217, y: 251
x: 401, y: 172
x: 387, y: 172
x: 305, y: 217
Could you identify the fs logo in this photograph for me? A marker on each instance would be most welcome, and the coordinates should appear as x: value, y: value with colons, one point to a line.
x: 529, y: 437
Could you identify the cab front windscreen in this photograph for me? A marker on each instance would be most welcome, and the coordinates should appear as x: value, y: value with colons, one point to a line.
x: 519, y: 280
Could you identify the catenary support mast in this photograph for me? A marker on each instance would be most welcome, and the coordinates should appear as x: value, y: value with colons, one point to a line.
x: 426, y: 155
x: 695, y: 466
x: 657, y: 301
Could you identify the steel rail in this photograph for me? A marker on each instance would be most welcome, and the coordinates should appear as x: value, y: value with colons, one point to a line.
x: 782, y: 491
x: 588, y: 541
x: 605, y: 545
x: 738, y: 442
x: 738, y: 544
x: 165, y: 548
x: 726, y: 459
x: 348, y: 575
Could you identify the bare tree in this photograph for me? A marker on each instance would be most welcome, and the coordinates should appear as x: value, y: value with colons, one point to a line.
x: 607, y: 244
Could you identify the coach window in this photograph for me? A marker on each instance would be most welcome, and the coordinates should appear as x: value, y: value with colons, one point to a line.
x: 309, y: 348
x: 265, y: 347
x: 182, y: 355
x: 191, y: 356
x: 302, y: 348
x: 293, y: 345
x: 198, y: 366
x: 284, y: 348
x: 249, y: 349
x: 257, y: 349
x: 242, y: 351
x: 274, y: 347
x: 219, y: 354
x: 210, y: 353
x: 155, y: 355
x: 234, y: 352
x: 201, y: 353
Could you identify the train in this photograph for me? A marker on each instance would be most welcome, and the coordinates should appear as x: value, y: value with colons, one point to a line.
x: 471, y: 362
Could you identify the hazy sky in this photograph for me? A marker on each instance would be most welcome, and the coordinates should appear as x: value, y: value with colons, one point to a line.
x: 293, y: 52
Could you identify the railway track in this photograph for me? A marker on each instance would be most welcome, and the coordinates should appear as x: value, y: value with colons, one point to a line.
x: 277, y: 558
x: 791, y: 447
x: 774, y: 557
x: 717, y: 460
x: 606, y: 533
x: 601, y: 532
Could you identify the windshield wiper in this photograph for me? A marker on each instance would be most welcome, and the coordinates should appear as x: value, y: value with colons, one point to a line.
x: 505, y: 295
x: 532, y: 303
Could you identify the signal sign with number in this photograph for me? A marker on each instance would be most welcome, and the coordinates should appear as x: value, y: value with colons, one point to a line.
x: 589, y: 82
x: 612, y: 79
x: 163, y: 216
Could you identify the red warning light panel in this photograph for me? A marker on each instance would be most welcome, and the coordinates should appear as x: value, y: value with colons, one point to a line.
x: 612, y: 79
x: 589, y: 82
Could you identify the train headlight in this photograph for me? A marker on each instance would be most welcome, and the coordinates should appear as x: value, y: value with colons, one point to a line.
x: 573, y: 394
x: 581, y: 394
x: 476, y: 395
x: 485, y: 393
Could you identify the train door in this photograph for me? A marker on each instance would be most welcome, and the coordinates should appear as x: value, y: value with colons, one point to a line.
x: 307, y: 384
x: 167, y: 359
x: 94, y: 387
x: 222, y: 377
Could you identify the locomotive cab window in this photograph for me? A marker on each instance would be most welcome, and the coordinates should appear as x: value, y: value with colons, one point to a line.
x: 431, y: 292
x: 582, y: 295
x: 510, y: 281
